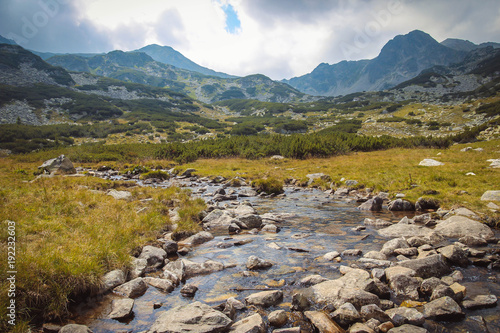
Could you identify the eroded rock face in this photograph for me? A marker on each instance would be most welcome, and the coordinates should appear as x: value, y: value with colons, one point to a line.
x: 194, y: 317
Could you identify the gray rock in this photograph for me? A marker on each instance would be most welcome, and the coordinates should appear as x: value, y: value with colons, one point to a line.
x: 374, y: 205
x: 403, y: 282
x: 442, y: 291
x: 375, y: 255
x: 288, y: 330
x: 352, y: 252
x: 491, y: 196
x: 132, y: 289
x: 346, y: 314
x: 121, y: 308
x: 119, y: 195
x: 249, y: 221
x: 480, y: 301
x: 277, y: 318
x: 138, y: 267
x: 408, y: 252
x: 244, y: 209
x: 189, y: 290
x: 416, y: 241
x: 473, y: 241
x: 390, y: 246
x: 427, y: 204
x: 372, y: 311
x: 317, y: 176
x: 113, y: 279
x: 194, y: 317
x: 379, y: 223
x: 74, y: 328
x: 404, y: 230
x: 434, y: 265
x: 218, y: 219
x: 444, y: 308
x: 251, y: 324
x: 154, y: 256
x: 401, y: 205
x: 177, y: 269
x: 188, y: 173
x: 331, y: 255
x: 235, y: 303
x: 428, y: 285
x: 461, y: 226
x: 360, y: 328
x: 455, y: 254
x: 265, y: 298
x: 322, y: 322
x: 410, y: 315
x: 271, y: 228
x: 407, y: 328
x: 170, y: 247
x: 192, y: 269
x: 254, y: 262
x: 58, y: 165
x: 430, y: 162
x: 312, y: 280
x: 197, y: 239
x: 164, y: 285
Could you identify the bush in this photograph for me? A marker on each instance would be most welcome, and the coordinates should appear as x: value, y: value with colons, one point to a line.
x: 268, y: 185
x: 156, y: 175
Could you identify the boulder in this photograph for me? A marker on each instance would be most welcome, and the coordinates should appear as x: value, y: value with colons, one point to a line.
x: 404, y: 230
x: 249, y: 221
x: 322, y: 322
x: 409, y: 316
x: 390, y: 246
x: 138, y: 267
x: 254, y: 262
x: 74, y: 328
x: 400, y: 205
x: 491, y: 196
x: 346, y: 314
x: 192, y: 269
x: 480, y: 301
x: 170, y: 247
x: 360, y: 328
x: 442, y: 291
x: 188, y: 173
x: 189, y: 290
x: 164, y: 285
x: 473, y: 241
x: 372, y: 311
x: 113, y: 279
x: 277, y: 318
x: 195, y: 317
x: 424, y: 203
x: 176, y: 270
x: 251, y: 324
x: 197, y: 239
x: 402, y: 280
x: 270, y: 228
x: 430, y: 162
x: 154, y: 256
x: 375, y: 255
x: 444, y: 308
x: 121, y: 308
x: 132, y: 289
x: 460, y: 226
x: 378, y: 223
x: 455, y: 254
x: 312, y: 280
x: 119, y: 195
x: 331, y: 255
x: 265, y: 298
x: 218, y: 219
x: 244, y: 209
x: 374, y: 205
x: 58, y: 165
x: 433, y: 265
x: 317, y: 176
x: 407, y: 328
x: 428, y: 285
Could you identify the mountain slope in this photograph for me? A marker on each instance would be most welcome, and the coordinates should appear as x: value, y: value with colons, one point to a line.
x: 140, y: 68
x: 4, y: 40
x: 465, y: 45
x: 169, y: 56
x: 401, y: 59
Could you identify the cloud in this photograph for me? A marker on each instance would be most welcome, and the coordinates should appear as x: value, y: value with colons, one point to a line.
x: 279, y: 38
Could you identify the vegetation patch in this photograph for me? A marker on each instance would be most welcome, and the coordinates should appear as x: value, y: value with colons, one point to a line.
x: 268, y: 186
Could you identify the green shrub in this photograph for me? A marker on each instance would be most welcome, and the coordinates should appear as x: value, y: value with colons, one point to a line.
x: 158, y: 174
x: 268, y: 185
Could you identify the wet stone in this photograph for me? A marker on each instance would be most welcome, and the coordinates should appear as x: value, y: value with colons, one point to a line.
x: 480, y: 301
x: 189, y: 290
x: 121, y: 308
x: 277, y: 318
x: 265, y: 298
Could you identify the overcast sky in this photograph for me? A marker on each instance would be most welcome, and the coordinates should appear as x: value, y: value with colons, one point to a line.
x: 278, y: 38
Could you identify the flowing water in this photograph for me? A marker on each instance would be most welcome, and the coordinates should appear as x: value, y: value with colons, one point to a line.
x: 321, y: 224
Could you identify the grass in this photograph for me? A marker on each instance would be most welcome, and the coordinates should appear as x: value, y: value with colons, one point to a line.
x: 69, y: 233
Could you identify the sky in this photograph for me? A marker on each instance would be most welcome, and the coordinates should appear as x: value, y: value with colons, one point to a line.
x: 277, y: 38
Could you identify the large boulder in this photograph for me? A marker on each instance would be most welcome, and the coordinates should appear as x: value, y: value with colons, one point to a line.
x: 218, y: 219
x: 491, y: 196
x: 407, y: 316
x: 155, y: 256
x: 374, y: 204
x: 317, y: 176
x: 401, y: 205
x: 444, y: 308
x: 121, y: 308
x: 461, y: 226
x: 431, y: 266
x: 322, y: 322
x: 188, y: 269
x: 132, y: 289
x: 195, y: 317
x: 197, y: 239
x: 58, y: 165
x: 113, y: 279
x: 455, y: 254
x: 404, y: 230
x: 251, y: 324
x: 265, y: 298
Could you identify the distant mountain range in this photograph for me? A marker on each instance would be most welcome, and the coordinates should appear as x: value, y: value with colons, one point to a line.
x: 465, y: 45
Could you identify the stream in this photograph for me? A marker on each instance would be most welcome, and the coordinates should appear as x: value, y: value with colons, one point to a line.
x: 321, y: 224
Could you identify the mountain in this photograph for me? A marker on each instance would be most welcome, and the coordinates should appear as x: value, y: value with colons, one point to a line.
x: 465, y: 45
x: 4, y: 40
x: 169, y: 56
x: 138, y: 67
x: 401, y: 59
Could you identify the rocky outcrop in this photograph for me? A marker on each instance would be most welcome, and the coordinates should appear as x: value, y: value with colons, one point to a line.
x: 58, y: 165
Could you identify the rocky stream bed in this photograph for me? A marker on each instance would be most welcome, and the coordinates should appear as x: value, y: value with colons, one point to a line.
x: 304, y: 261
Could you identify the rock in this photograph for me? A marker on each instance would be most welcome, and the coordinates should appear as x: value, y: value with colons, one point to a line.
x: 121, y: 308
x: 462, y: 212
x: 189, y: 290
x: 50, y: 328
x: 251, y: 324
x: 402, y: 280
x: 410, y: 316
x: 461, y: 226
x: 194, y: 317
x: 384, y: 327
x: 442, y: 291
x: 390, y: 246
x: 352, y: 252
x: 164, y: 285
x: 408, y: 252
x: 271, y: 228
x: 373, y: 311
x: 257, y: 263
x: 378, y: 273
x: 119, y: 195
x: 235, y: 303
x: 132, y: 289
x: 188, y: 173
x: 74, y: 328
x: 322, y: 322
x: 277, y: 318
x: 476, y: 324
x: 491, y: 196
x: 455, y: 254
x: 480, y: 301
x: 346, y: 314
x: 194, y: 269
x: 473, y: 241
x: 300, y: 302
x: 170, y: 247
x: 249, y: 221
x: 331, y: 255
x: 247, y: 192
x: 288, y: 330
x: 317, y: 176
x: 175, y: 271
x: 444, y: 308
x: 378, y: 223
x: 154, y: 256
x: 58, y: 165
x: 424, y: 203
x: 428, y: 285
x: 138, y: 267
x: 244, y: 209
x: 360, y: 328
x: 374, y: 205
x: 404, y: 230
x: 400, y: 205
x: 434, y: 265
x: 459, y: 291
x: 197, y: 239
x: 218, y: 219
x: 407, y: 328
x: 416, y: 241
x: 265, y: 298
x: 113, y: 279
x: 430, y: 162
x: 375, y: 255
x: 312, y: 280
